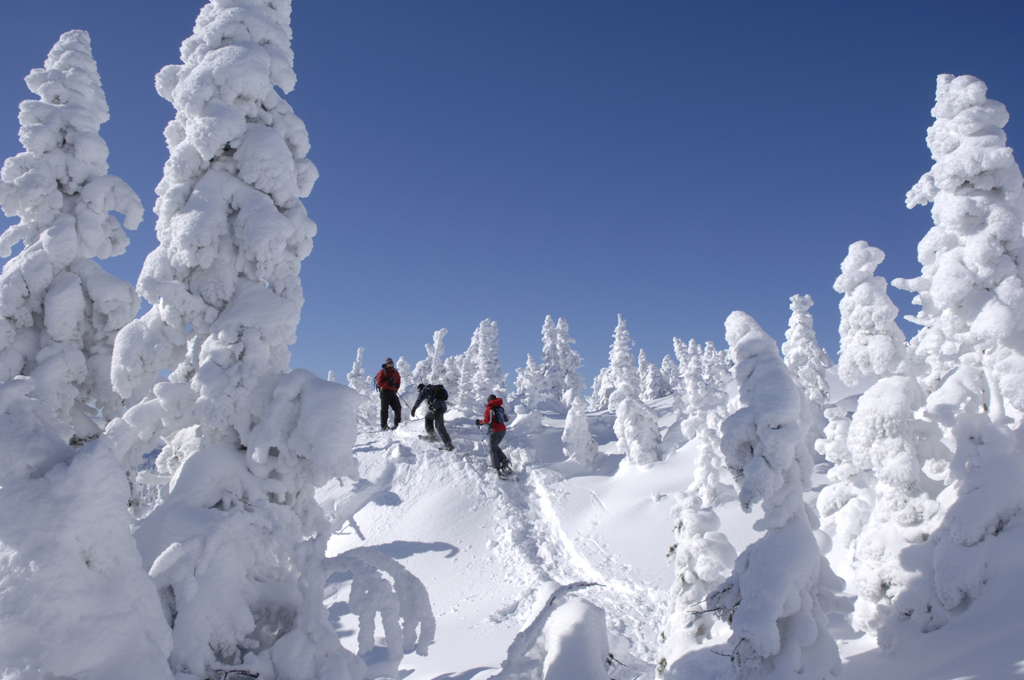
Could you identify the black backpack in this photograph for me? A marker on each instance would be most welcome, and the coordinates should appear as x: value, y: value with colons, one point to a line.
x: 440, y: 393
x: 498, y: 415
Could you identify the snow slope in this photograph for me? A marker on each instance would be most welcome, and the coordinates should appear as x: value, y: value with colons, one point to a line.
x: 487, y: 551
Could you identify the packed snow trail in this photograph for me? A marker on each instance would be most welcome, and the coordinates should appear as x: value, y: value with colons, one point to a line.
x: 484, y: 546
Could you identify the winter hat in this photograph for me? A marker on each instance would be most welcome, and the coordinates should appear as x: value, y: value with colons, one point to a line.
x: 389, y: 361
x: 420, y: 386
x: 491, y: 397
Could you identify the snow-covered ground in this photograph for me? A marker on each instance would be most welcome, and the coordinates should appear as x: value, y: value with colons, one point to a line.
x: 486, y: 551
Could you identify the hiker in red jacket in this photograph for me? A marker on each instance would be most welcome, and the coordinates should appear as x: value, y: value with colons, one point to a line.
x: 495, y: 418
x: 388, y: 382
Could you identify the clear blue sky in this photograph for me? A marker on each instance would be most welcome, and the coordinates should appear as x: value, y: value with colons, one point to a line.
x: 670, y: 161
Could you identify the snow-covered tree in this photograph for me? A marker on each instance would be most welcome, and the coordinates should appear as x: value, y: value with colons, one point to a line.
x: 247, y: 441
x: 971, y: 293
x: 702, y: 558
x: 357, y: 379
x: 430, y: 371
x: 559, y: 364
x: 532, y: 385
x: 75, y: 600
x: 670, y: 371
x: 636, y: 428
x: 59, y: 311
x: 481, y: 368
x: 808, y: 361
x: 802, y: 353
x: 971, y: 290
x: 871, y: 345
x: 652, y: 381
x: 620, y: 378
x: 405, y: 371
x: 885, y: 439
x: 781, y: 590
x: 569, y: 362
x: 577, y: 442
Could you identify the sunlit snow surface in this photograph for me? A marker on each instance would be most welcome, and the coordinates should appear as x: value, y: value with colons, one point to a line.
x: 487, y: 551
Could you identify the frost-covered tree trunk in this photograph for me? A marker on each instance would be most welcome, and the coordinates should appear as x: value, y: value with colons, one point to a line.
x: 871, y: 345
x: 59, y: 311
x: 971, y: 293
x: 237, y: 548
x: 577, y: 442
x: 75, y: 600
x: 781, y: 590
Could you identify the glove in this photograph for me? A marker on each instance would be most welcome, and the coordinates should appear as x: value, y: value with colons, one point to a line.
x: 413, y: 412
x: 479, y: 423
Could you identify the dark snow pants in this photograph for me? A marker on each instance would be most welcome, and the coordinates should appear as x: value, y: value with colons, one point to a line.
x: 498, y: 457
x: 389, y: 398
x: 435, y: 419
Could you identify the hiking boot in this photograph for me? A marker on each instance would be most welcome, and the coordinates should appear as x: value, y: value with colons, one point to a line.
x: 449, y: 447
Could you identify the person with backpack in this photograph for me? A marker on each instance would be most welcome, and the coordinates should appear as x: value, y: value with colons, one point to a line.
x: 495, y: 419
x: 388, y: 381
x: 436, y: 397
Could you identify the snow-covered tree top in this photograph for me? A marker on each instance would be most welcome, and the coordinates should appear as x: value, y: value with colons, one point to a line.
x: 65, y: 156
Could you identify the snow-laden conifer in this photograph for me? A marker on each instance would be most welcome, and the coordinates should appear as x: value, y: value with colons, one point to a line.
x: 620, y: 378
x: 781, y: 590
x: 532, y: 385
x: 569, y: 362
x: 802, y: 353
x: 971, y: 290
x: 430, y: 371
x: 59, y: 311
x: 405, y: 371
x: 636, y: 428
x: 653, y: 384
x: 481, y: 368
x: 886, y: 440
x: 808, y: 361
x: 357, y: 379
x: 702, y: 557
x: 670, y: 372
x: 237, y: 547
x: 971, y: 293
x: 75, y: 600
x: 871, y: 345
x: 577, y: 442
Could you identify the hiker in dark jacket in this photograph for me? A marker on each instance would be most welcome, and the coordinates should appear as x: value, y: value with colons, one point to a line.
x: 388, y: 382
x: 436, y: 397
x: 495, y: 420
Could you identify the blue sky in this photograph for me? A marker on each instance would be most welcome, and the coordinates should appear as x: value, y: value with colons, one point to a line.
x: 669, y: 161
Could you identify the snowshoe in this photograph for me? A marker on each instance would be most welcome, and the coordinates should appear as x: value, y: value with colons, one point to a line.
x: 428, y: 437
x: 505, y: 472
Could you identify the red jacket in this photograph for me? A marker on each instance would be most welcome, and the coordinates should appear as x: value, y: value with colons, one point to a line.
x: 488, y: 414
x: 389, y: 379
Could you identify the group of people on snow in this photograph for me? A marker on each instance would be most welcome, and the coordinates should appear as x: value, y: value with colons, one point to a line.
x: 388, y: 382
